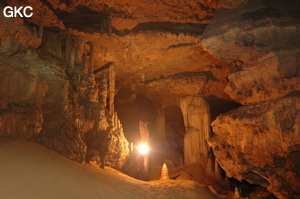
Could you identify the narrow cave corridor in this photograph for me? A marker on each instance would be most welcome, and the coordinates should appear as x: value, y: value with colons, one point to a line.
x: 150, y: 99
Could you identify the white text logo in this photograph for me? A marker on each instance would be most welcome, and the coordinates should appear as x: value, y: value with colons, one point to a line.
x: 18, y: 11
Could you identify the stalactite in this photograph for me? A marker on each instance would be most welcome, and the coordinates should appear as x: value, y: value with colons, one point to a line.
x: 91, y: 69
x: 115, y: 119
x: 103, y: 91
x: 41, y: 26
x: 159, y: 133
x: 97, y: 91
x: 84, y: 59
x: 94, y: 94
x: 111, y: 88
x: 72, y: 55
x: 196, y: 115
x: 108, y: 26
x: 143, y: 78
x: 78, y: 83
x: 78, y: 51
x: 68, y: 49
x: 144, y: 131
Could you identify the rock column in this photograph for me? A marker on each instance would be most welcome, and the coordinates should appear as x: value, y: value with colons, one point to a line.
x: 196, y: 114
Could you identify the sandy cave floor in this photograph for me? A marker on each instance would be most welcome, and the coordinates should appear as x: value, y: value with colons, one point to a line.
x: 31, y: 171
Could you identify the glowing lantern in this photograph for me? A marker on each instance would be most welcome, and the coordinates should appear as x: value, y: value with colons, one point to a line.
x: 143, y: 148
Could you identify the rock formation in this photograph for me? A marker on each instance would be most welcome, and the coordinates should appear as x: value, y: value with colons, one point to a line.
x: 164, y: 172
x: 258, y: 138
x: 197, y: 153
x: 79, y: 76
x: 262, y: 40
x: 196, y: 115
x: 55, y: 104
x: 260, y: 143
x: 16, y: 36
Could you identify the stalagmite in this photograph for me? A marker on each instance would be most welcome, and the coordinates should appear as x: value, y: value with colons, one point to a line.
x: 91, y: 69
x: 237, y: 193
x: 164, y: 172
x: 111, y: 88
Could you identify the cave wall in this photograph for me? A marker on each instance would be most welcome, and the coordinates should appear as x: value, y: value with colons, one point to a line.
x: 254, y: 142
x: 48, y: 96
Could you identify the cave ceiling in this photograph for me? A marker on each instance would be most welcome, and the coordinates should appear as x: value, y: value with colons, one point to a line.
x: 154, y: 45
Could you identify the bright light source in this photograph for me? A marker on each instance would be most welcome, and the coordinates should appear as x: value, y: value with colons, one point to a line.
x: 143, y: 148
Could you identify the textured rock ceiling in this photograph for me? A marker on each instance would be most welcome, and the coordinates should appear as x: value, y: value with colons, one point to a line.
x: 124, y: 14
x: 157, y: 42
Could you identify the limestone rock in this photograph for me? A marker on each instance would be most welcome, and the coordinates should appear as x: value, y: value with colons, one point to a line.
x: 260, y: 193
x: 260, y: 143
x: 123, y: 14
x: 251, y: 31
x: 118, y: 149
x: 38, y: 102
x: 16, y: 36
x: 196, y: 115
x: 21, y: 95
x: 262, y: 36
x: 164, y: 172
x: 189, y: 83
x: 275, y: 76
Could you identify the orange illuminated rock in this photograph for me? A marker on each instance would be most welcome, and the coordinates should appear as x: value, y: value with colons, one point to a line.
x: 260, y: 143
x: 262, y: 42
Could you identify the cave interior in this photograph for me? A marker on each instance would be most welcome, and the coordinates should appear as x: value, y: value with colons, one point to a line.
x: 213, y: 86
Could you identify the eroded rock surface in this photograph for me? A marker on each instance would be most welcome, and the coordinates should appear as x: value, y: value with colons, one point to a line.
x: 16, y: 36
x: 52, y: 102
x: 275, y: 76
x: 162, y: 51
x: 261, y: 39
x: 260, y: 143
